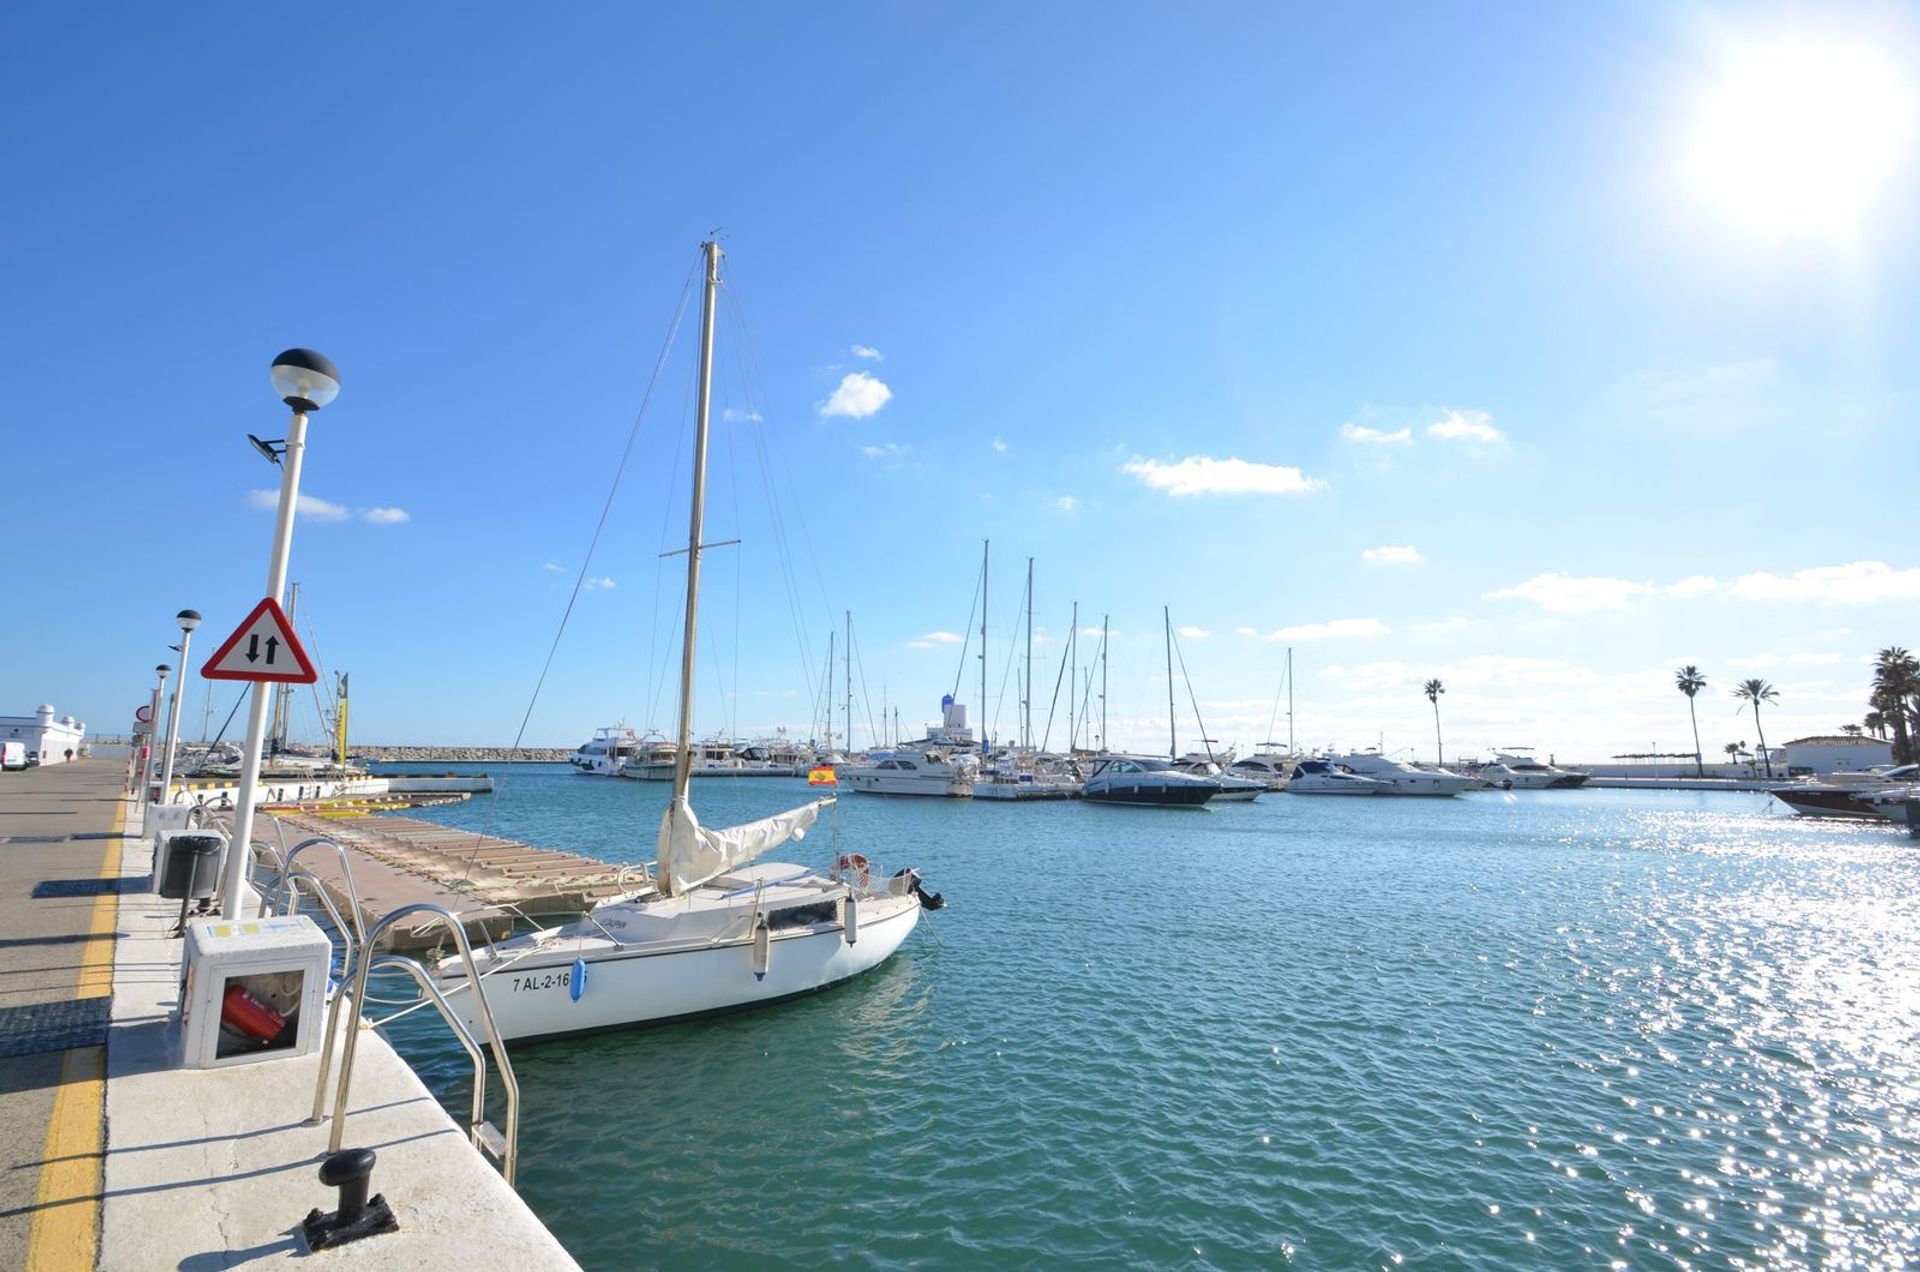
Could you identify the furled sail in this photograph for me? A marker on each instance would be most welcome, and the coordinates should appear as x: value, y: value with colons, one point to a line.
x: 690, y: 854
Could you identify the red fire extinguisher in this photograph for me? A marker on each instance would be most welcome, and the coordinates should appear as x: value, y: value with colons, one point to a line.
x: 243, y: 1013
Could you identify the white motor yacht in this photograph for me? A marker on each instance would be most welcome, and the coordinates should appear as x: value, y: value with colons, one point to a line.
x: 609, y: 750
x: 1403, y: 778
x: 1146, y: 780
x: 1268, y: 767
x: 913, y: 769
x: 1516, y: 770
x: 1234, y: 789
x: 715, y: 929
x: 1325, y: 777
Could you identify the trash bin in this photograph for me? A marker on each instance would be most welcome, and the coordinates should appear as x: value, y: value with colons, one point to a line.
x: 191, y: 871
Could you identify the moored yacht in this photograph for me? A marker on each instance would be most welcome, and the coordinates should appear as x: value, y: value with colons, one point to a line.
x: 1234, y: 789
x: 1326, y: 777
x: 913, y: 769
x: 1268, y: 766
x: 1515, y: 770
x: 1402, y: 778
x: 609, y: 750
x: 1864, y: 796
x: 1139, y: 779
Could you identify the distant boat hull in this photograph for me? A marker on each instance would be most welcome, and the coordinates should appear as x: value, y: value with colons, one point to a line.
x: 1818, y: 801
x: 1150, y: 794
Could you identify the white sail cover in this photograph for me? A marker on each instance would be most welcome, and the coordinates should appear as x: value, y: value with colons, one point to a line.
x: 690, y: 854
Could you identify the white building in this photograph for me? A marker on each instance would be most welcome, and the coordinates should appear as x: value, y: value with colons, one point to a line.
x: 48, y: 741
x: 1835, y: 753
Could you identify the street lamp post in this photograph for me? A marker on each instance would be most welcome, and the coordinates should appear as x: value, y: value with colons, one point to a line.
x: 188, y: 620
x: 153, y: 732
x: 305, y: 381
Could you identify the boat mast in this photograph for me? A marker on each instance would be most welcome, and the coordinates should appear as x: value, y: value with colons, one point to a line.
x: 850, y: 683
x: 986, y: 546
x: 1026, y: 721
x: 1173, y: 745
x: 696, y: 523
x: 277, y: 735
x: 1103, y: 682
x: 1073, y: 674
x: 829, y: 693
x: 1289, y: 699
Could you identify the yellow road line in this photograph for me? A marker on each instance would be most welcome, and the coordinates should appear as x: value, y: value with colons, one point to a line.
x: 66, y: 1213
x: 96, y: 964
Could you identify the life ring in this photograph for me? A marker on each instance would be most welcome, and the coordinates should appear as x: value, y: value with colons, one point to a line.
x: 853, y: 861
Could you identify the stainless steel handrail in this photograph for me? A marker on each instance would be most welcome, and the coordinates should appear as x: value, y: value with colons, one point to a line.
x: 432, y: 993
x: 512, y: 1135
x: 346, y: 871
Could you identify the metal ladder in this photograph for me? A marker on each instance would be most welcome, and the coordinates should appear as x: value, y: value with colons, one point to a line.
x: 501, y: 1145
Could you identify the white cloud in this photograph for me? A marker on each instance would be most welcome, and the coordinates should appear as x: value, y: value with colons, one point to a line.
x: 1338, y: 629
x: 1694, y: 585
x: 1465, y: 426
x: 934, y: 640
x: 1376, y: 436
x: 1404, y: 555
x: 1860, y: 583
x: 1245, y: 631
x: 386, y: 516
x: 311, y: 506
x: 1453, y: 624
x: 858, y: 396
x: 1203, y: 475
x: 1569, y: 594
x: 1113, y: 633
x: 1818, y: 660
x: 869, y: 352
x: 1066, y: 503
x: 748, y: 417
x: 888, y: 450
x: 999, y: 447
x: 593, y: 584
x: 554, y: 567
x: 1194, y: 633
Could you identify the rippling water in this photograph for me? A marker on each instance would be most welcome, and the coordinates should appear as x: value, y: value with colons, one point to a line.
x: 1509, y: 1030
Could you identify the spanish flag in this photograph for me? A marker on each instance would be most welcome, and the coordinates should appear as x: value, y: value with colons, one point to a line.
x: 822, y: 775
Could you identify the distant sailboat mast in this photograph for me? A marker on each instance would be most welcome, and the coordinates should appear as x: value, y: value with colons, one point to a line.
x: 986, y: 548
x: 850, y: 684
x: 1173, y: 744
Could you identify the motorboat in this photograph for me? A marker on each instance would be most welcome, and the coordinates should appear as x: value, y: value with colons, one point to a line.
x: 712, y: 757
x: 1850, y: 795
x: 713, y: 928
x: 913, y: 769
x: 1320, y: 776
x: 610, y: 750
x: 1403, y: 778
x: 1139, y: 779
x: 1517, y: 771
x: 1268, y: 767
x: 1234, y: 789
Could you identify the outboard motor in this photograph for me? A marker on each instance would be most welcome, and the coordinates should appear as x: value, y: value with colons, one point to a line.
x: 908, y: 880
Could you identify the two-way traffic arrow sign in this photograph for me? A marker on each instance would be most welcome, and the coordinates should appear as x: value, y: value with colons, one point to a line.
x: 263, y: 648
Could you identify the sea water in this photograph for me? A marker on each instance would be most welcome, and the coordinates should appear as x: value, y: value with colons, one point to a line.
x: 1561, y: 1029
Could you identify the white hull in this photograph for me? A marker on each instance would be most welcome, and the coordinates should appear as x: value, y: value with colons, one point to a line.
x: 632, y: 986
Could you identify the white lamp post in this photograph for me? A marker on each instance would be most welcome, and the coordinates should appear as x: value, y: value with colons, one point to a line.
x: 188, y: 620
x: 153, y: 732
x: 305, y: 381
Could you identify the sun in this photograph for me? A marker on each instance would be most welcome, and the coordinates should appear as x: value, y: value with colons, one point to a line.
x: 1798, y: 138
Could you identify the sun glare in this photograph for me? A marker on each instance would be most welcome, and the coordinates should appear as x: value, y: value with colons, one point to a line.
x: 1798, y: 138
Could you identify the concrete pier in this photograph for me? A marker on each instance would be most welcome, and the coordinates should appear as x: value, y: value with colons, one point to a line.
x: 117, y: 1159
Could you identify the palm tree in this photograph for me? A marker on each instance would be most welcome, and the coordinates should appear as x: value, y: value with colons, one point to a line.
x: 1876, y: 723
x: 1852, y: 730
x: 1757, y: 691
x: 1434, y: 690
x: 1689, y: 681
x: 1896, y: 695
x: 1733, y: 752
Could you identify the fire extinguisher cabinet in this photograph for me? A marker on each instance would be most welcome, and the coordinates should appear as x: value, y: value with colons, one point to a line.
x: 253, y: 990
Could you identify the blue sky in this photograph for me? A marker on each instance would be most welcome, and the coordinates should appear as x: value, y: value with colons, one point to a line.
x: 1424, y: 342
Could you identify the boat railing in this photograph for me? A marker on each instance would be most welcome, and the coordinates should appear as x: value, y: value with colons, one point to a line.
x: 502, y: 1145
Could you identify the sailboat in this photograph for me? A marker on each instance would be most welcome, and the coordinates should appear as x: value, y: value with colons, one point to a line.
x: 715, y: 928
x: 1149, y: 780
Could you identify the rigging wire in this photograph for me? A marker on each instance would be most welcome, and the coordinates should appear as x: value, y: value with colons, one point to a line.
x: 1180, y: 657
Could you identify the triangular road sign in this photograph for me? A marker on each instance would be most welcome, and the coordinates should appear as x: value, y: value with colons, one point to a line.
x: 263, y: 647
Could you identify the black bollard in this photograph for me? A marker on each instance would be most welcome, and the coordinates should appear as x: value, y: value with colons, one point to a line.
x: 351, y: 1171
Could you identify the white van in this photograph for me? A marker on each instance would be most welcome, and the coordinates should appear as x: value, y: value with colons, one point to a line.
x: 13, y: 755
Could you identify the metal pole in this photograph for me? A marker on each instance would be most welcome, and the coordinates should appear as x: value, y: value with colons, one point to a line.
x: 1173, y: 743
x: 1103, y: 681
x: 260, y: 696
x: 153, y: 738
x: 1073, y: 662
x: 1026, y: 721
x: 986, y: 546
x: 173, y: 717
x: 696, y: 523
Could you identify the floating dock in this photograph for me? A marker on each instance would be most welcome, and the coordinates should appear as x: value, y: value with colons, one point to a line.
x: 488, y: 881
